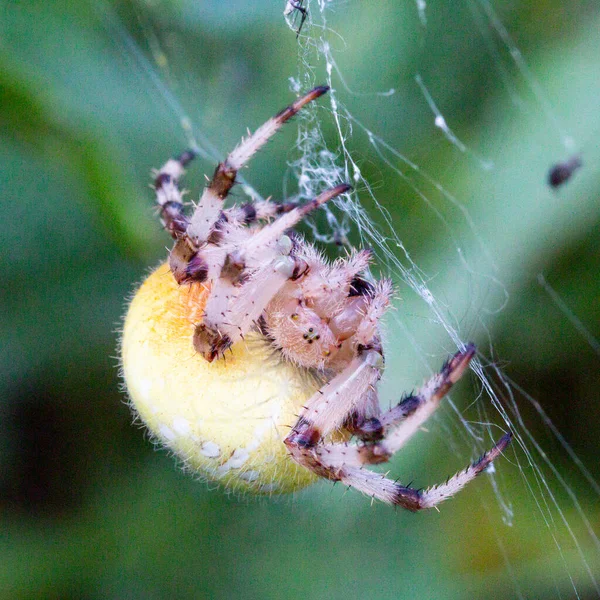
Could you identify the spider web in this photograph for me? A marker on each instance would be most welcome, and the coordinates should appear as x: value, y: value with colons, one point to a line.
x: 317, y: 166
x: 437, y: 312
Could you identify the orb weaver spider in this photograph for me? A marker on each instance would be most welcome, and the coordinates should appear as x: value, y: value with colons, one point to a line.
x: 257, y: 361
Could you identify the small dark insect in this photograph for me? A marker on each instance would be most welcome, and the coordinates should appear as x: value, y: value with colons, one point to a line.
x: 296, y: 6
x: 562, y: 172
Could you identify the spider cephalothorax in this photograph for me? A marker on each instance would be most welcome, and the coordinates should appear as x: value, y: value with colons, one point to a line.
x: 240, y: 273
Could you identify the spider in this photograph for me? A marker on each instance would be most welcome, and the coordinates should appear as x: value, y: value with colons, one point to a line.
x: 248, y: 331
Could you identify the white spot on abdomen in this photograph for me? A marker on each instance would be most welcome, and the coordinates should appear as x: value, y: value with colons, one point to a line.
x: 210, y: 450
x: 269, y: 487
x: 166, y: 432
x: 181, y: 426
x: 250, y: 475
x: 238, y: 458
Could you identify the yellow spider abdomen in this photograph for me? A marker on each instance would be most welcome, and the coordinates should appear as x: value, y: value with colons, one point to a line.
x: 227, y: 419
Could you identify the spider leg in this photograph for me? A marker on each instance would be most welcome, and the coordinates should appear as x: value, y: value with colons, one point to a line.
x: 231, y: 312
x: 402, y: 421
x: 384, y: 435
x: 327, y: 409
x: 269, y: 235
x: 168, y: 195
x: 223, y: 179
x: 342, y: 462
x: 408, y: 416
x: 209, y: 209
x: 333, y: 286
x: 265, y: 210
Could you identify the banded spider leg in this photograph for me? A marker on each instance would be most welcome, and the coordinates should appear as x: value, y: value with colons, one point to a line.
x: 382, y: 434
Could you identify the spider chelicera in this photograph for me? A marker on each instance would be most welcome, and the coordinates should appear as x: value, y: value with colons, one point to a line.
x: 257, y: 361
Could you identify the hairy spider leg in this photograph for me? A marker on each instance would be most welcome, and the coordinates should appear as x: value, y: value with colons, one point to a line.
x: 381, y: 488
x: 250, y: 251
x: 388, y: 432
x: 344, y: 462
x: 252, y: 212
x: 169, y: 197
x: 253, y: 273
x: 401, y: 422
x: 185, y: 265
x: 211, y: 202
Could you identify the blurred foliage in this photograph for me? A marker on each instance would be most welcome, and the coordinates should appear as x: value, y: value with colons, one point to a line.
x: 88, y: 509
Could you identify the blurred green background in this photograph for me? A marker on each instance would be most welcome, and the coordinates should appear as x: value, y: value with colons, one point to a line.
x: 88, y: 509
